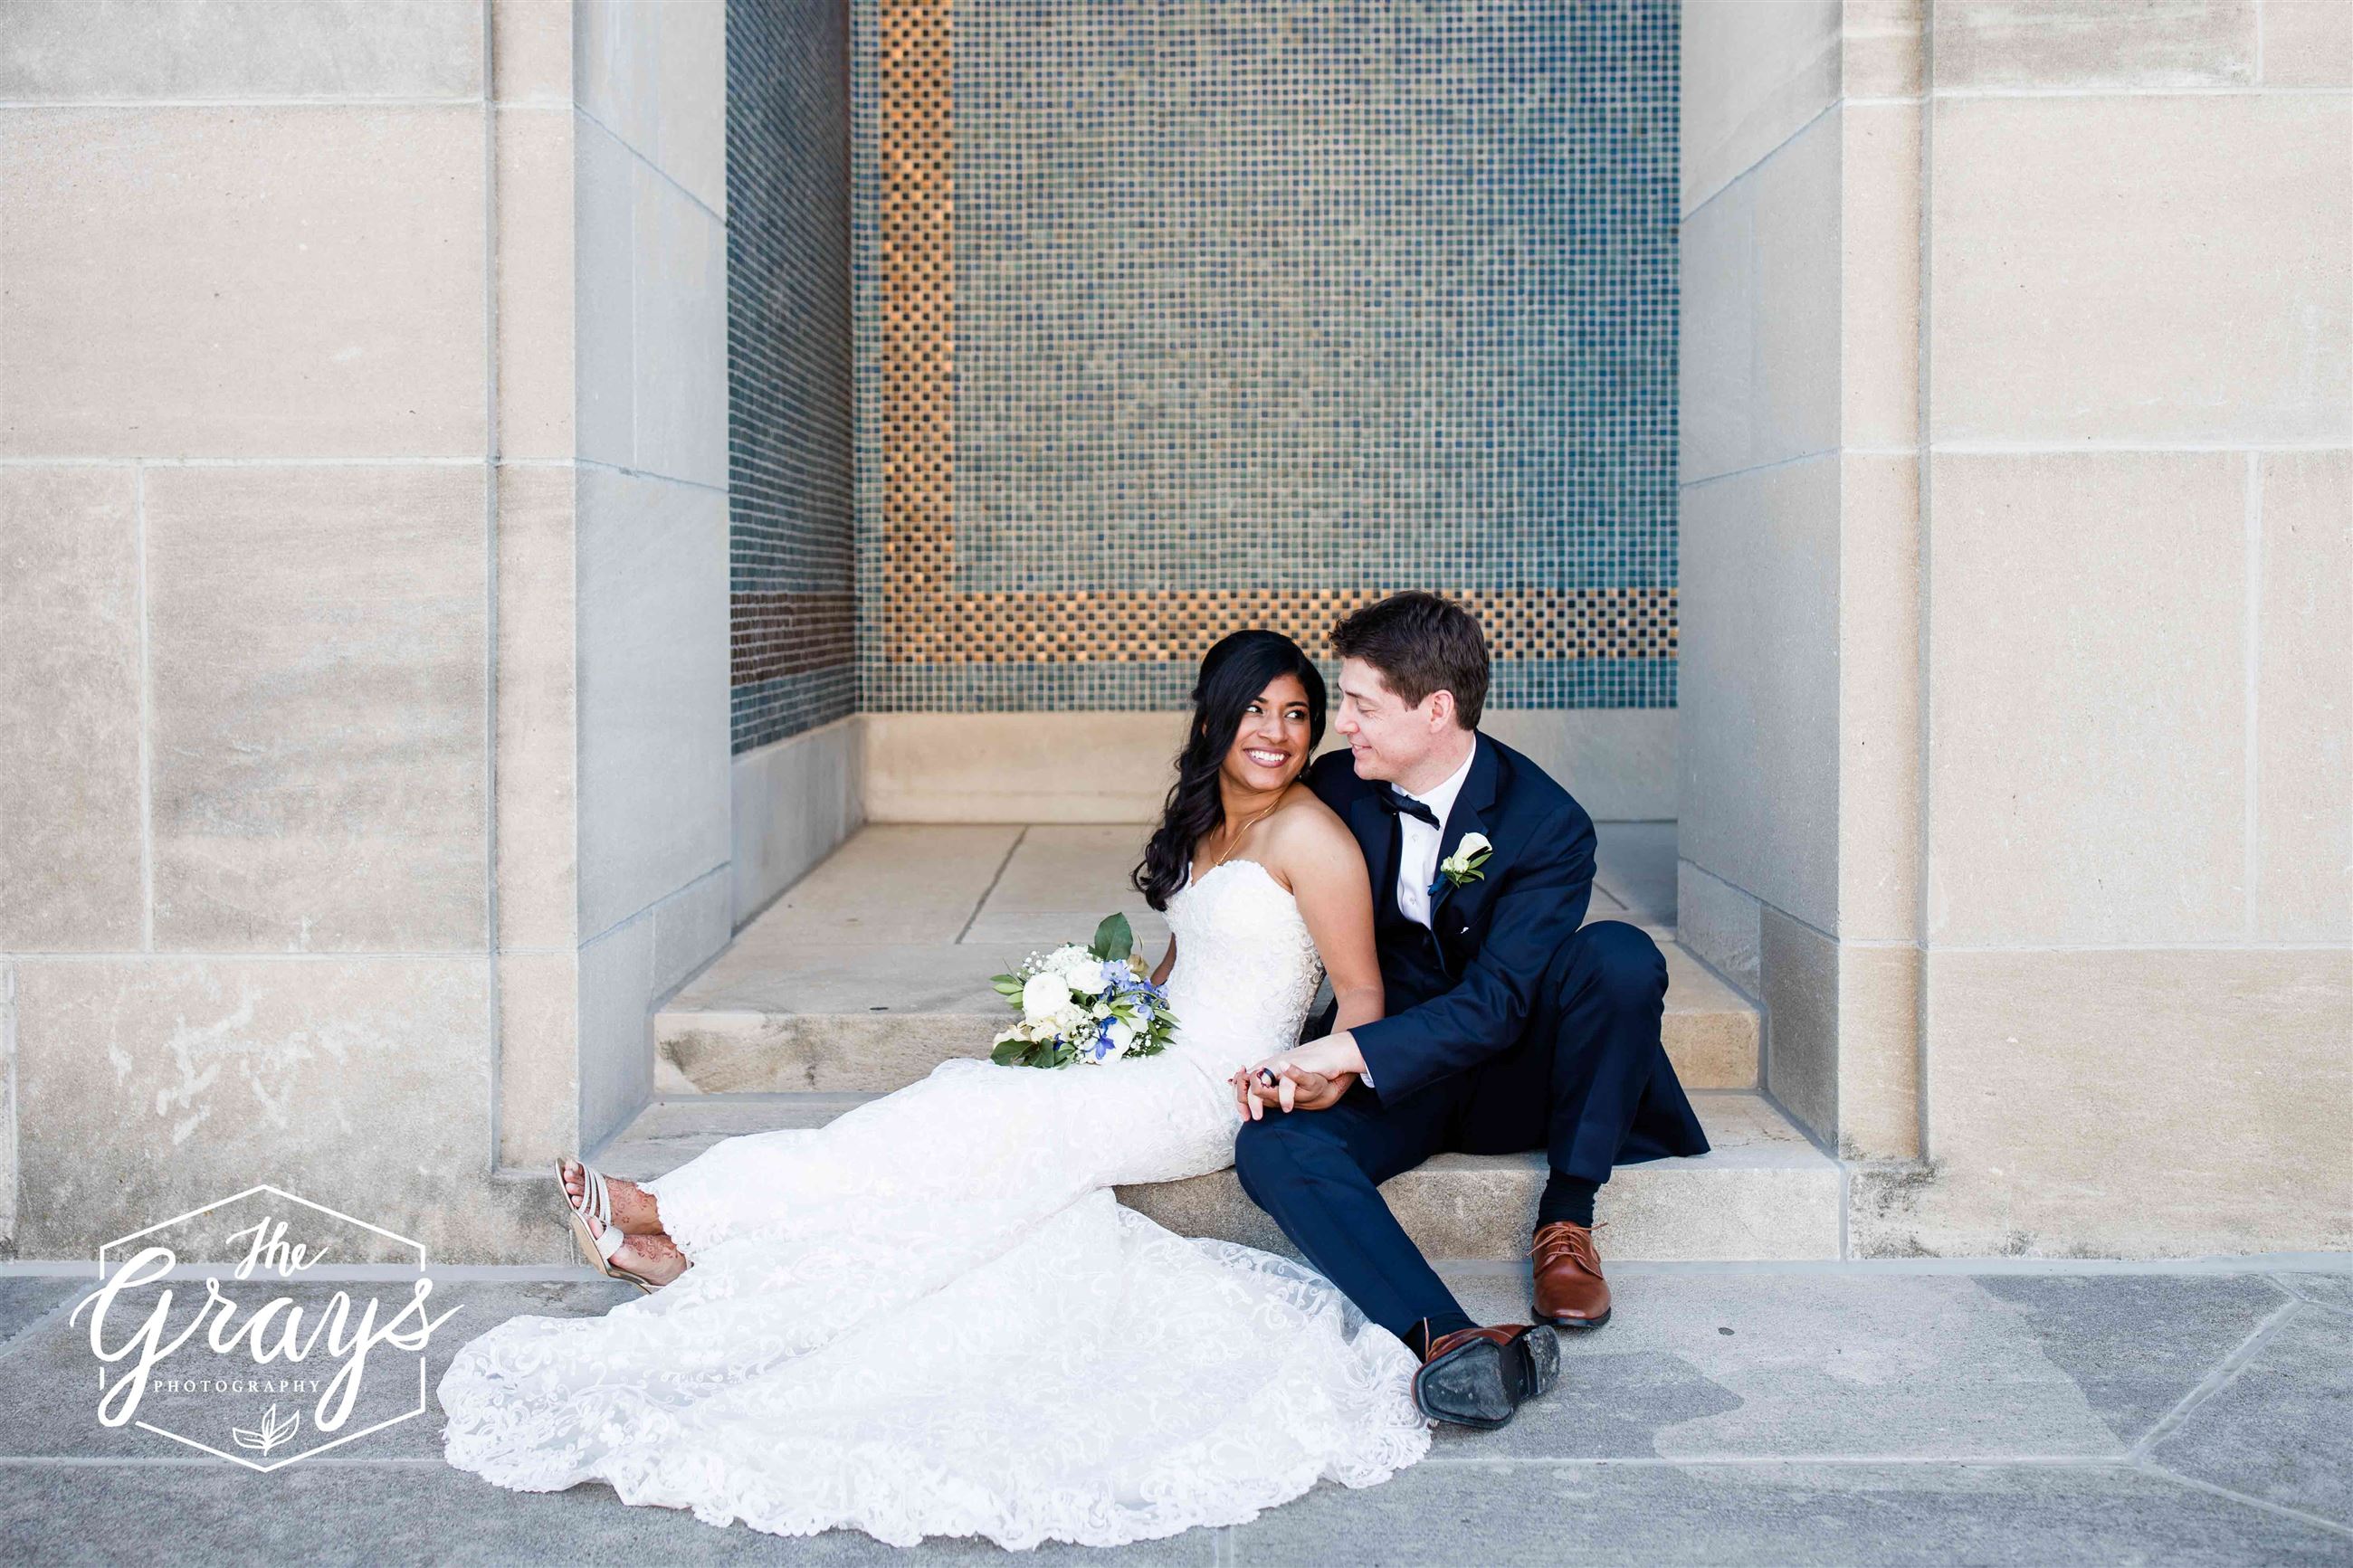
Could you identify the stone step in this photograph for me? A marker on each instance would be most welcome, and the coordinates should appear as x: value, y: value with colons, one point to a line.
x: 1761, y: 1192
x: 868, y: 1018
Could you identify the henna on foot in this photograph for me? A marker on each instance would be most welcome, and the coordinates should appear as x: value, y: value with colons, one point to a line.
x: 655, y: 1255
x: 634, y: 1208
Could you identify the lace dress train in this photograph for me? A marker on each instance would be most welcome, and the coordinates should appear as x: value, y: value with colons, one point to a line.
x: 932, y: 1318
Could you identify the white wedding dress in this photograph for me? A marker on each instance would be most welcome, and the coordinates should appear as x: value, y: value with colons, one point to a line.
x: 929, y: 1317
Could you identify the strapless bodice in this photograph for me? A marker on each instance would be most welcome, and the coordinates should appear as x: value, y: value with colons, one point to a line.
x: 1247, y: 970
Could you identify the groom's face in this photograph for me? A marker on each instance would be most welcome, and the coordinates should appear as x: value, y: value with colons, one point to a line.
x: 1388, y: 737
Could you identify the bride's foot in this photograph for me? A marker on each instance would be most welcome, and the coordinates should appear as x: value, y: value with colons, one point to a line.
x: 634, y: 1208
x: 655, y: 1257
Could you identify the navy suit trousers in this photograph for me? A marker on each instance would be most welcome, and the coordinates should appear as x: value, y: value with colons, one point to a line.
x: 1572, y: 1085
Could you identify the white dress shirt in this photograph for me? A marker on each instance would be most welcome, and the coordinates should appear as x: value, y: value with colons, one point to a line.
x: 1418, y: 848
x: 1417, y: 851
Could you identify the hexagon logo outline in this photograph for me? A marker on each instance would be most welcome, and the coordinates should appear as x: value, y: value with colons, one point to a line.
x: 423, y: 1401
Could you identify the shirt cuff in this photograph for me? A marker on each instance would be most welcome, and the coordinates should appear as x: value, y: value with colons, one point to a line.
x: 1372, y: 1041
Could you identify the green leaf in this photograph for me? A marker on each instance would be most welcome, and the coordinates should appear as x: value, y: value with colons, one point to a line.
x: 1114, y: 939
x: 1008, y: 1052
x: 1007, y: 984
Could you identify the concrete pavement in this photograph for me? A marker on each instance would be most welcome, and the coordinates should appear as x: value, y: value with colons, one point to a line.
x: 1836, y: 1414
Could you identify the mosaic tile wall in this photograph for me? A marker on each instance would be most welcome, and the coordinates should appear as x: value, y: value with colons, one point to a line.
x: 1180, y: 315
x: 790, y: 463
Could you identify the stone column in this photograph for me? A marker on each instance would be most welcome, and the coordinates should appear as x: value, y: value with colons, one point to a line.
x: 613, y: 739
x: 2017, y: 684
x: 363, y: 598
x: 1800, y: 707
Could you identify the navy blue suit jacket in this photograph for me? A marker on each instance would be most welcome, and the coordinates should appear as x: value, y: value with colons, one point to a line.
x: 1460, y: 990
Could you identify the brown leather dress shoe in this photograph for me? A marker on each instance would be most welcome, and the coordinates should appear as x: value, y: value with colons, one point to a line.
x: 1570, y: 1291
x: 1479, y: 1376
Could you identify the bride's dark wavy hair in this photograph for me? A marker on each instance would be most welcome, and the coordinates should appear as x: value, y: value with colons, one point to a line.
x: 1232, y: 675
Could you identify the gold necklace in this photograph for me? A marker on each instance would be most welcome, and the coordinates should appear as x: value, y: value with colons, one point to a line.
x: 1235, y: 843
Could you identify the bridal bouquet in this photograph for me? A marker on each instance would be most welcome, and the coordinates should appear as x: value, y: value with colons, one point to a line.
x: 1085, y: 1005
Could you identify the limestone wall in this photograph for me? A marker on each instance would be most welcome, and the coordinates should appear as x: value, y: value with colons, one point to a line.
x: 364, y: 619
x: 2018, y: 396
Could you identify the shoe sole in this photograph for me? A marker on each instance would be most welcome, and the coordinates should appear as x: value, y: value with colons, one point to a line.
x: 1542, y: 1354
x: 1482, y: 1384
x: 1579, y: 1324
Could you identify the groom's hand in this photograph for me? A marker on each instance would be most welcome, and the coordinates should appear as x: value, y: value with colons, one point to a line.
x: 1310, y: 1077
x: 1289, y: 1086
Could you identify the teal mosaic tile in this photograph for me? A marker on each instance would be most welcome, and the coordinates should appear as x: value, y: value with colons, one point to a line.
x: 791, y: 462
x: 1133, y: 686
x: 1314, y: 294
x: 1269, y: 296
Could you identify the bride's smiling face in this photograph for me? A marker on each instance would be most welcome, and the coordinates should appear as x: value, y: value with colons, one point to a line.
x: 1271, y: 744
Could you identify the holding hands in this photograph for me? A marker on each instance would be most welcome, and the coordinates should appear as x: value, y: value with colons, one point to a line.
x: 1312, y: 1077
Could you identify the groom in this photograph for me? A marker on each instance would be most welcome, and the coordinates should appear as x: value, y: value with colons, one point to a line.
x: 1510, y: 1024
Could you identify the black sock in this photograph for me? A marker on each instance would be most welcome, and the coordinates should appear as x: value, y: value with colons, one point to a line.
x: 1567, y: 1197
x: 1440, y: 1325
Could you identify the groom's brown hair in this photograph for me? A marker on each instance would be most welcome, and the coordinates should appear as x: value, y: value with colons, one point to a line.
x: 1420, y: 643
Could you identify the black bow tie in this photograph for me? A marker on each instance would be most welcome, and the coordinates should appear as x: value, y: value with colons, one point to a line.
x: 1396, y: 802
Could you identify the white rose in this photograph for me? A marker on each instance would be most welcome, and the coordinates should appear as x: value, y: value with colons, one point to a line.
x: 1044, y: 995
x: 1123, y: 1034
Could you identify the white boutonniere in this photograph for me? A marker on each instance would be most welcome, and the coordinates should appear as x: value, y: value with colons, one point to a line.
x: 1467, y: 864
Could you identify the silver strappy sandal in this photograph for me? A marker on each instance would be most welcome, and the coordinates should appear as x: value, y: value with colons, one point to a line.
x: 599, y: 1248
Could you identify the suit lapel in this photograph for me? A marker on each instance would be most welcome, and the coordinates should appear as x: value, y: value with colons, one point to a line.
x: 1469, y: 816
x: 1376, y: 832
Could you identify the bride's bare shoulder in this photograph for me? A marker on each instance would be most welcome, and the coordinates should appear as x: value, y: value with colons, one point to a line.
x: 1309, y: 840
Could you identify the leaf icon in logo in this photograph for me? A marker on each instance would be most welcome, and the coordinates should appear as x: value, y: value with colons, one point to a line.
x: 272, y: 1433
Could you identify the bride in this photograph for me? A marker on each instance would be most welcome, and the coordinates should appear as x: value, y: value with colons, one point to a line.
x: 930, y: 1317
